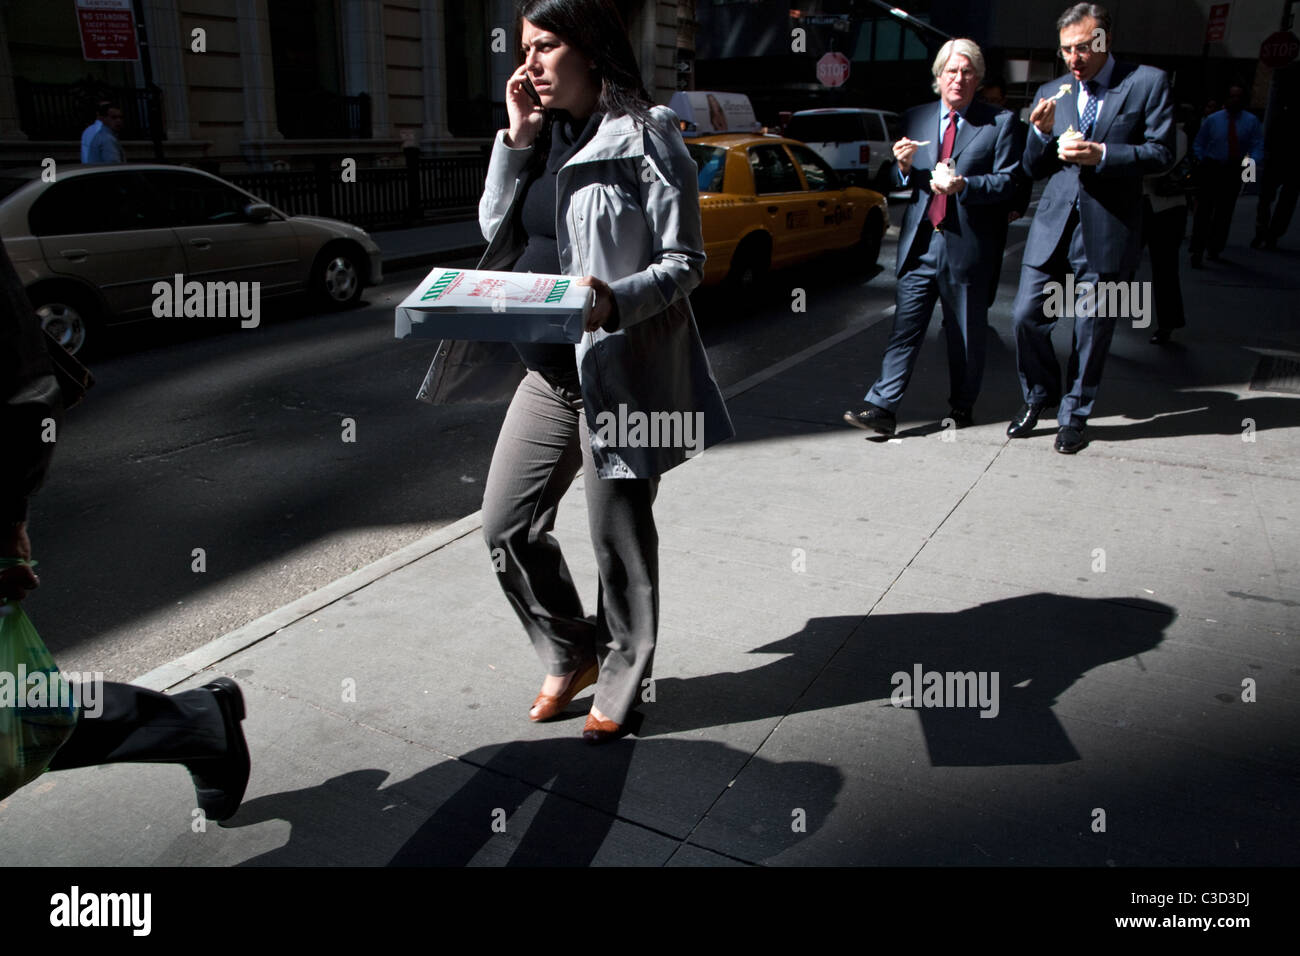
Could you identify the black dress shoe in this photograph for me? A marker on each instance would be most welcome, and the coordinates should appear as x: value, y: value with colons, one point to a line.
x: 961, y: 419
x: 873, y: 418
x: 1025, y: 421
x: 220, y: 782
x: 1069, y: 439
x: 1196, y: 261
x: 1161, y: 337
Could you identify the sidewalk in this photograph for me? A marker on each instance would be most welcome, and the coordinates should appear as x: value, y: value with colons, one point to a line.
x: 1121, y: 597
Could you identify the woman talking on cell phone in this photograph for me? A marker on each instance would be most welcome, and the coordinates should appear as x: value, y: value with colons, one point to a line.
x: 592, y: 180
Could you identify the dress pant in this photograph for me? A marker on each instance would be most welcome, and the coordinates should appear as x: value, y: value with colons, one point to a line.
x: 1040, y: 372
x: 1217, y: 192
x: 542, y: 445
x: 138, y: 725
x: 1163, y: 234
x: 927, y: 278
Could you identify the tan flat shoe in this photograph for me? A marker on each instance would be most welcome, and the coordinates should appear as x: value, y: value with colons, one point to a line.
x: 549, y: 706
x: 600, y: 731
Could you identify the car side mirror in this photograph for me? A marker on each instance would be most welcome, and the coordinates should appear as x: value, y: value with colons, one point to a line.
x: 258, y: 211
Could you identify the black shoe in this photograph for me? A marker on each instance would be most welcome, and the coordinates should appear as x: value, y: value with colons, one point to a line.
x: 1069, y: 439
x: 961, y: 419
x: 1196, y: 261
x: 220, y: 782
x: 1025, y: 421
x: 1270, y: 243
x: 1161, y: 337
x: 1257, y: 242
x: 873, y: 418
x: 1215, y: 257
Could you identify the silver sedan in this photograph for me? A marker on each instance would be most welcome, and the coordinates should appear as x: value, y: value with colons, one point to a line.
x: 97, y: 245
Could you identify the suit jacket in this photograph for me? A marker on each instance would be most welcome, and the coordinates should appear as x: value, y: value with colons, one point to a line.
x: 1136, y: 124
x: 987, y: 151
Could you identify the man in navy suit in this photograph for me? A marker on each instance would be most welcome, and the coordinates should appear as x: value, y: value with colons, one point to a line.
x: 1089, y: 219
x: 953, y: 232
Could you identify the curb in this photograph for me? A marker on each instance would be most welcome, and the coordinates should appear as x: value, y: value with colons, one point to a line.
x: 201, y: 658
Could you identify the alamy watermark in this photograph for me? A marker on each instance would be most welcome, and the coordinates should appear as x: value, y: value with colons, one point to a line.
x: 43, y: 690
x: 638, y: 429
x: 1122, y: 300
x: 208, y: 300
x: 946, y: 689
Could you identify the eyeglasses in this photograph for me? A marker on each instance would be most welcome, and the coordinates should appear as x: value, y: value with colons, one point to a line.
x: 965, y: 73
x: 1079, y: 49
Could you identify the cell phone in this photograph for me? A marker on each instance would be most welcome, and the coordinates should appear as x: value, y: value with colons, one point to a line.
x: 531, y: 91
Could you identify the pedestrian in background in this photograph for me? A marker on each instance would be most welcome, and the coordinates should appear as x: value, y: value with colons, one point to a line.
x: 591, y: 180
x: 952, y: 235
x: 1164, y: 222
x: 1089, y: 217
x: 1223, y: 141
x: 93, y: 129
x: 104, y: 146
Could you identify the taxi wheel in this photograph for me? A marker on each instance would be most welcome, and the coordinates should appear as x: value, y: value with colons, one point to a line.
x: 873, y: 231
x: 750, y: 265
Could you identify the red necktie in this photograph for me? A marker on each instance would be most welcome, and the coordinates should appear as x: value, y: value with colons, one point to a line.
x: 1234, y: 148
x: 939, y: 202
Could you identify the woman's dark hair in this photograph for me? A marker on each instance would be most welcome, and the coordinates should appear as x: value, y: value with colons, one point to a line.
x: 596, y: 29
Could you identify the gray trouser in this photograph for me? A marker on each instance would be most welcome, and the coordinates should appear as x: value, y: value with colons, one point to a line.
x: 542, y: 444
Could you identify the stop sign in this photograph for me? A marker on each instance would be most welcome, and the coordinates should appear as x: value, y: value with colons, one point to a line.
x: 833, y: 69
x: 1279, y: 49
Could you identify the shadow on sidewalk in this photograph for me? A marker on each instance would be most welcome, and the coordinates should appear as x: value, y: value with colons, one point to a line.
x: 1037, y: 645
x: 565, y: 824
x: 1176, y: 414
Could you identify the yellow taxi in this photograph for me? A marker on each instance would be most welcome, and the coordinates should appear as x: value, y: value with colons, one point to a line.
x: 768, y: 202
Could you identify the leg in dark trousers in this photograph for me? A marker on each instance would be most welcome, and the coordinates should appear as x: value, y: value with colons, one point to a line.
x: 1163, y: 233
x: 138, y: 725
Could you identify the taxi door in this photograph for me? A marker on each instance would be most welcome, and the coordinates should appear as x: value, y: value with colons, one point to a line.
x: 790, y: 211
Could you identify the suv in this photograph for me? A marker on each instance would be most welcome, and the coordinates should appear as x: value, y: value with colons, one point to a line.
x: 858, y: 143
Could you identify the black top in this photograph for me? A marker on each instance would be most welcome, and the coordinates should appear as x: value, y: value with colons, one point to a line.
x: 536, y: 222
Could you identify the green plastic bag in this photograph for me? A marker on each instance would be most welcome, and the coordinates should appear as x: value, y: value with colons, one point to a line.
x: 38, y: 711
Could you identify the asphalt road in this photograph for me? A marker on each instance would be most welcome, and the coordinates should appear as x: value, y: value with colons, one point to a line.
x: 230, y: 440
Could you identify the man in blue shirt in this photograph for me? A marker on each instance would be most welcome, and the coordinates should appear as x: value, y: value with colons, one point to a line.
x: 1223, y: 141
x: 104, y: 146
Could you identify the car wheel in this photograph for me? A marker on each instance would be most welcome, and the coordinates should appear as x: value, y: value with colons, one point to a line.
x: 868, y: 250
x: 68, y: 317
x: 750, y: 265
x: 336, y: 280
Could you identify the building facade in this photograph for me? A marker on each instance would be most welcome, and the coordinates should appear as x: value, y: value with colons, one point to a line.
x: 256, y: 84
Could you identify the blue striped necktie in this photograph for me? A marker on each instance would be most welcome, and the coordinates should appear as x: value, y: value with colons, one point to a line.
x: 1089, y: 118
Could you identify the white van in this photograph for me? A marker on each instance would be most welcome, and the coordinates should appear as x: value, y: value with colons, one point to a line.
x: 858, y: 143
x: 704, y: 111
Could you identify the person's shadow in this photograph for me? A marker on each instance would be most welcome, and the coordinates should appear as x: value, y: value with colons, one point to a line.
x: 572, y: 795
x: 1037, y: 645
x: 572, y: 791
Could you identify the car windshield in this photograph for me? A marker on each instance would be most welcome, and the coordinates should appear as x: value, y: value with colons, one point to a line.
x: 894, y: 126
x: 827, y: 128
x: 712, y: 161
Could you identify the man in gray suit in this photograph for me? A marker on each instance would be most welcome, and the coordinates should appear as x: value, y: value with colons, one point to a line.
x: 952, y: 235
x: 1089, y: 219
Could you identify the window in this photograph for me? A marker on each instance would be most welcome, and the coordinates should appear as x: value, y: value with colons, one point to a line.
x: 875, y: 126
x: 193, y: 200
x: 712, y: 161
x: 104, y: 202
x: 815, y: 169
x: 774, y: 171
